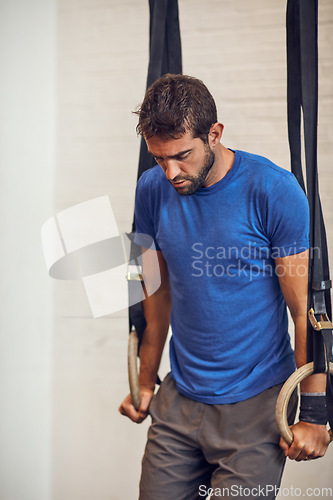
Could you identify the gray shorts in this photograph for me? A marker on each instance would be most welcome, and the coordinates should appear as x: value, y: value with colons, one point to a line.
x: 229, y: 451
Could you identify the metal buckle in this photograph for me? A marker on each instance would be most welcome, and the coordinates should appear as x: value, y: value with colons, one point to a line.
x: 134, y: 273
x: 323, y: 324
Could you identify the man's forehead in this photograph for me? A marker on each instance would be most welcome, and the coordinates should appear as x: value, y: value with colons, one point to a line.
x: 171, y: 147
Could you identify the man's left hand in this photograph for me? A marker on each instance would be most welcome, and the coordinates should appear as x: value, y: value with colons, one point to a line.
x: 310, y: 442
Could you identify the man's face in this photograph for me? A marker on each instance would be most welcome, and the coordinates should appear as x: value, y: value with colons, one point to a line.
x: 186, y: 161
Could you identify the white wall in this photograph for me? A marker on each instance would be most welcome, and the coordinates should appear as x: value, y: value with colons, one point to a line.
x: 238, y: 49
x: 27, y: 88
x: 102, y: 64
x: 61, y: 436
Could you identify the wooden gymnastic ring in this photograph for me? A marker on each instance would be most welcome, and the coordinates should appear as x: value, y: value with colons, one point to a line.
x: 283, y: 400
x: 132, y: 360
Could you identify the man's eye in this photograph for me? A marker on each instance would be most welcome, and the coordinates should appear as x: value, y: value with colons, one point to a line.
x: 183, y: 157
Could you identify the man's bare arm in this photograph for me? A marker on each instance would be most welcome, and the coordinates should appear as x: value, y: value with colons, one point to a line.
x: 157, y: 308
x: 310, y: 440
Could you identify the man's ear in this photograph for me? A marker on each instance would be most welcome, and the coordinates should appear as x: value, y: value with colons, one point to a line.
x: 215, y: 134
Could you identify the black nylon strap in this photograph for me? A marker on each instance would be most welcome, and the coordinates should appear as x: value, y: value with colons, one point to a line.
x: 329, y: 399
x: 294, y: 91
x: 165, y: 56
x: 302, y: 91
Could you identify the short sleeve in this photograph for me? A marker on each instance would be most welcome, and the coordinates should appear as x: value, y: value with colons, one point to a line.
x: 144, y: 215
x: 287, y: 218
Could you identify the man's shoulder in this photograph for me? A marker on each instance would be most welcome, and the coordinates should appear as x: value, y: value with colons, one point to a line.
x: 261, y: 165
x: 152, y: 177
x: 152, y: 187
x: 267, y: 178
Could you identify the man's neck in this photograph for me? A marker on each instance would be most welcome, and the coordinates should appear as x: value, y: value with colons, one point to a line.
x: 224, y: 160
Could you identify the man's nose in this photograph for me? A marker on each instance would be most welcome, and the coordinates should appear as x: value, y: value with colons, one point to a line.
x: 172, y: 169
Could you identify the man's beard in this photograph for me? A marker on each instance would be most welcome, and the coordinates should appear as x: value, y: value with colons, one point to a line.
x: 198, y: 181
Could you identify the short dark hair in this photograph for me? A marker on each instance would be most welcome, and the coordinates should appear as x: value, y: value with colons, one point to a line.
x: 175, y: 104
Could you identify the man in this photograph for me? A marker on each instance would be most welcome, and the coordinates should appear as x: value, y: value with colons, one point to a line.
x: 231, y: 233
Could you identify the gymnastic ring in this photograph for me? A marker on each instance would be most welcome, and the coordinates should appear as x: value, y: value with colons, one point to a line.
x: 132, y: 360
x: 283, y: 400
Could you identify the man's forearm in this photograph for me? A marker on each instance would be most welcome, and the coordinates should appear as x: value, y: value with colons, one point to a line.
x: 157, y: 309
x: 151, y: 349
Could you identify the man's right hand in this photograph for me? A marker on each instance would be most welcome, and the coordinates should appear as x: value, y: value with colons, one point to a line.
x: 128, y: 410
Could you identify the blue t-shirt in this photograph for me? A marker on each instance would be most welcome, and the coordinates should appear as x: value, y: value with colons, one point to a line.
x: 229, y: 322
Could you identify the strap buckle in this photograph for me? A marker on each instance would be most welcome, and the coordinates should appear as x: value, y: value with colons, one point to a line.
x: 134, y: 273
x: 323, y: 324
